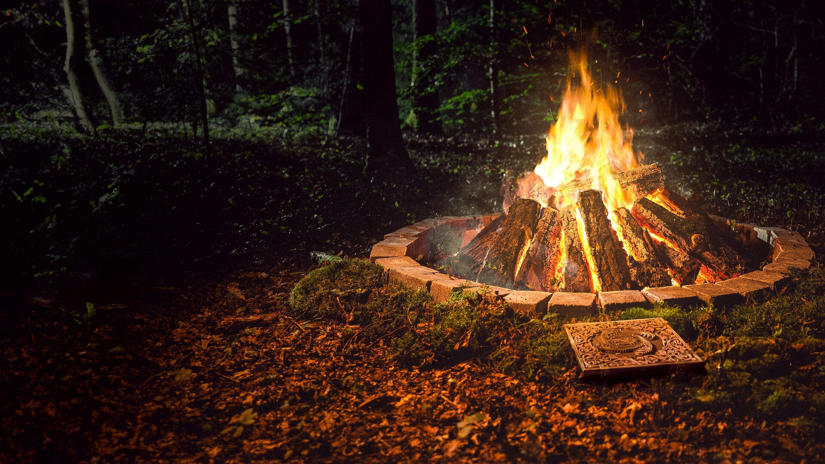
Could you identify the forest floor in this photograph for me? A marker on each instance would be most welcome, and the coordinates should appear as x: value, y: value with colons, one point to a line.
x: 190, y: 351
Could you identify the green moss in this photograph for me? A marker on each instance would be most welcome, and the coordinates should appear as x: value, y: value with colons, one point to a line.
x: 680, y: 319
x: 335, y: 289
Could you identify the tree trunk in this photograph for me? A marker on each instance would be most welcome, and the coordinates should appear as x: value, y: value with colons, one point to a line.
x: 234, y: 45
x: 385, y: 146
x: 491, y: 68
x: 424, y: 96
x: 200, y: 84
x: 75, y: 51
x: 96, y: 63
x: 288, y: 33
x: 351, y: 106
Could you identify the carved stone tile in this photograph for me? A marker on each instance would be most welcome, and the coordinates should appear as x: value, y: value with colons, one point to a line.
x: 615, y: 348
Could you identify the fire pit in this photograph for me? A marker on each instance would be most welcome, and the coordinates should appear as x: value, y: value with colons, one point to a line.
x: 592, y: 223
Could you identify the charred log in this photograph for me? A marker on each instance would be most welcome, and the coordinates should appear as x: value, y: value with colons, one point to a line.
x: 539, y: 269
x: 683, y: 267
x: 608, y: 255
x: 646, y: 267
x: 694, y: 234
x: 494, y: 255
x: 576, y: 274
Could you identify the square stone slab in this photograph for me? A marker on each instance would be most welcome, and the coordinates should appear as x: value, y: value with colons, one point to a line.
x: 572, y: 304
x: 716, y: 295
x: 673, y: 295
x: 622, y: 299
x: 625, y: 348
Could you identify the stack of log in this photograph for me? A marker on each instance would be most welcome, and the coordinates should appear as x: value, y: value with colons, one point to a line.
x: 578, y: 249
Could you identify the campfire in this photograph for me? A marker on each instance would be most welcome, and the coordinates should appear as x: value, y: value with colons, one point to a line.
x: 591, y: 217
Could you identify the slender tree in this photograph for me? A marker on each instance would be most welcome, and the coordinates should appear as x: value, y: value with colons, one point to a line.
x: 492, y: 70
x: 75, y: 52
x: 288, y: 31
x: 234, y: 44
x: 96, y: 63
x: 200, y: 79
x: 424, y: 95
x: 386, y: 148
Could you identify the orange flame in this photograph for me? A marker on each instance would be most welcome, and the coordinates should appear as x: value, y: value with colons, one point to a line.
x: 585, y: 146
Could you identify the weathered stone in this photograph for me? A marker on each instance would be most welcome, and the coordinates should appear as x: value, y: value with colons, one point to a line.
x: 493, y: 293
x: 716, y: 295
x: 799, y: 253
x: 440, y: 289
x: 767, y: 234
x: 572, y: 304
x: 396, y: 245
x: 622, y: 299
x: 775, y: 280
x: 672, y: 295
x: 415, y: 276
x: 394, y: 262
x: 605, y: 349
x: 748, y: 288
x: 786, y: 267
x: 528, y: 302
x: 413, y: 230
x: 800, y: 264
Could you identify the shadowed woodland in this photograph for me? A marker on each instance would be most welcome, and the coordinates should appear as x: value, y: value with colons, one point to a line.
x: 190, y: 189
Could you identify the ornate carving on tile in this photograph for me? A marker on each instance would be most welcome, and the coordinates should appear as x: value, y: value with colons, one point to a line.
x: 615, y: 347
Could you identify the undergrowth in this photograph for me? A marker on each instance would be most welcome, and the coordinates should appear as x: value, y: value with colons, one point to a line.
x: 766, y: 359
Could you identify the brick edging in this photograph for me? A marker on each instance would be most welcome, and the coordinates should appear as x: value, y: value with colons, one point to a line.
x: 401, y: 251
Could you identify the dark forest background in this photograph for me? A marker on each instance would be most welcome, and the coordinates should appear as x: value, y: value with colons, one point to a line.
x: 459, y: 67
x: 146, y: 136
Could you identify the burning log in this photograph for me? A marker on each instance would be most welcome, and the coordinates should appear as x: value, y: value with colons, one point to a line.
x: 576, y: 274
x: 539, y: 269
x: 497, y: 252
x: 694, y: 234
x: 642, y: 181
x: 684, y: 268
x: 607, y: 254
x: 645, y: 265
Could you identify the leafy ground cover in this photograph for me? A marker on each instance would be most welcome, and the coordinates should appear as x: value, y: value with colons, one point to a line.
x: 167, y: 313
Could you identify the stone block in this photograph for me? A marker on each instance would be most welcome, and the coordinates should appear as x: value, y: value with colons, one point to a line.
x: 395, y: 261
x: 672, y: 295
x: 572, y: 304
x: 802, y: 253
x: 775, y: 280
x: 396, y: 245
x: 767, y: 234
x: 440, y: 289
x: 493, y: 293
x: 750, y: 289
x: 716, y: 295
x: 792, y: 244
x: 527, y: 302
x: 413, y: 230
x: 622, y: 299
x: 415, y: 276
x: 793, y: 263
